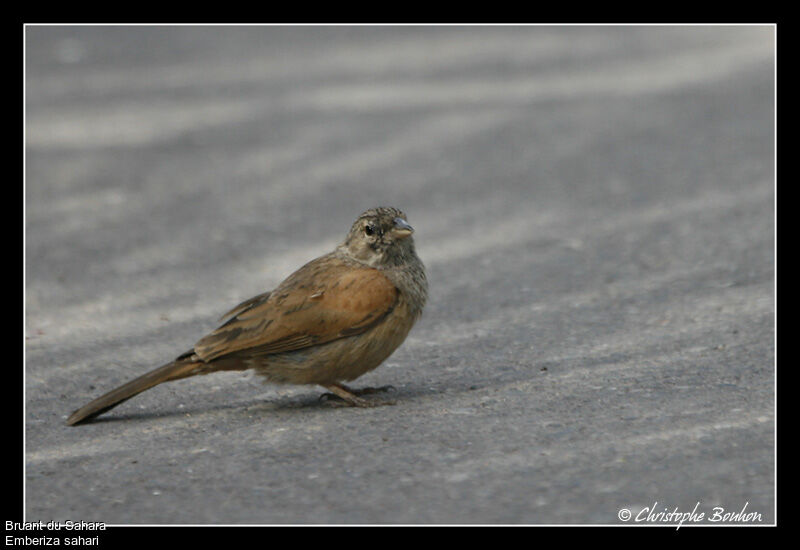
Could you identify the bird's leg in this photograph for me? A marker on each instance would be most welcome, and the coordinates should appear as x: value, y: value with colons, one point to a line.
x: 351, y: 396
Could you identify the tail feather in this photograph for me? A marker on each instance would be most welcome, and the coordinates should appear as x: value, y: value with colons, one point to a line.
x: 171, y: 371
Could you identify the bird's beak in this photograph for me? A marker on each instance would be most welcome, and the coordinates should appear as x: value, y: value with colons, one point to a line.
x: 401, y: 228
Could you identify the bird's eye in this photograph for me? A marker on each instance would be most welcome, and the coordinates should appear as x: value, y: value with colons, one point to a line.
x: 369, y: 229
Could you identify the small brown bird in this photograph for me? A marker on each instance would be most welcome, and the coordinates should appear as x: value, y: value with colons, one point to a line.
x: 332, y: 320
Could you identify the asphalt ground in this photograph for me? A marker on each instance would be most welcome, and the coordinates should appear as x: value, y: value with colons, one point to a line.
x: 595, y: 208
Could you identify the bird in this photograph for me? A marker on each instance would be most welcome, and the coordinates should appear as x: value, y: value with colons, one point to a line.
x: 334, y: 319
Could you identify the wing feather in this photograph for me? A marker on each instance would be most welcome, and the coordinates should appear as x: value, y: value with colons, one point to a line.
x: 247, y: 304
x: 325, y: 300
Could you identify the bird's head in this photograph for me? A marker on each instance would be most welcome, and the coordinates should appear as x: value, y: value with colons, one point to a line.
x: 380, y: 237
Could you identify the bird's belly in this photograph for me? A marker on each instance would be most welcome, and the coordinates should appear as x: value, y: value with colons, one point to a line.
x: 339, y: 360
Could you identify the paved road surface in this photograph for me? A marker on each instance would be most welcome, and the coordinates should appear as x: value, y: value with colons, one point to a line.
x: 595, y: 206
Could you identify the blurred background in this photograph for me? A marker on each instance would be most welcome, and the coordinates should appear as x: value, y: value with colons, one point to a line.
x: 594, y: 204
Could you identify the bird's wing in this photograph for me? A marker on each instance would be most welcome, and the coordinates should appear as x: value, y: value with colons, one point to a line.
x: 325, y: 300
x: 255, y: 300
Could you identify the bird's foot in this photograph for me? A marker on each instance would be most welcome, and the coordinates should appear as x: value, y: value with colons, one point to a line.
x: 341, y: 395
x: 369, y: 390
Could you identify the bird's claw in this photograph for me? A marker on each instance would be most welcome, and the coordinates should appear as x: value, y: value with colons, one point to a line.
x: 347, y: 397
x: 379, y: 389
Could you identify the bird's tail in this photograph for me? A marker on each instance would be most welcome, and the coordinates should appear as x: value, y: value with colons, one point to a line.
x: 180, y: 368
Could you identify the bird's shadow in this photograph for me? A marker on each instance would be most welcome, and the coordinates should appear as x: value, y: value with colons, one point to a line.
x: 319, y: 401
